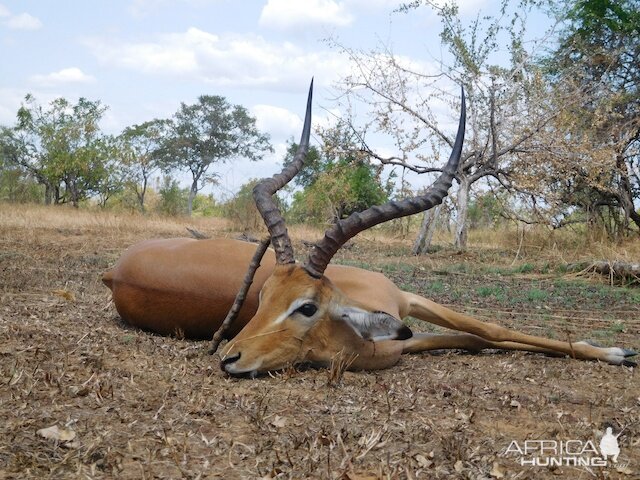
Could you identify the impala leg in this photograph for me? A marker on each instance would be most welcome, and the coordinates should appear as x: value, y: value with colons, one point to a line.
x: 431, y: 312
x: 422, y: 342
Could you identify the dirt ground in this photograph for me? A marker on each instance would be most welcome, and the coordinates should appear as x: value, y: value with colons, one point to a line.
x: 129, y: 404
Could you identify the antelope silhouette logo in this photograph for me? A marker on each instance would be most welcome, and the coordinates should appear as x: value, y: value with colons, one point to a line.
x: 609, y: 445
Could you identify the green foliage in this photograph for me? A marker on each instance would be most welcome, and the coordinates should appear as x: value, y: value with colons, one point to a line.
x: 126, y: 200
x: 525, y: 268
x: 242, y: 211
x: 597, y: 61
x: 485, y: 210
x: 173, y: 199
x: 108, y: 171
x: 16, y: 186
x: 536, y: 295
x: 337, y: 182
x: 597, y: 19
x: 141, y: 155
x: 313, y: 166
x: 435, y: 287
x: 205, y: 206
x: 61, y: 147
x: 338, y: 191
x: 208, y: 132
x: 491, y: 291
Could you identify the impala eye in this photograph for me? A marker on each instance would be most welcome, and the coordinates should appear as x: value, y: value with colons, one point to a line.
x: 308, y: 309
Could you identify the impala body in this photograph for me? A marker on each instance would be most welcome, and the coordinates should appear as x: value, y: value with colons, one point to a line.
x: 185, y: 287
x: 308, y: 312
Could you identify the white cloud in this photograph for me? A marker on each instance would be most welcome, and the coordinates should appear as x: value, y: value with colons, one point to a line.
x: 23, y: 21
x: 228, y: 60
x: 285, y: 14
x: 277, y: 121
x: 4, y: 11
x: 66, y: 75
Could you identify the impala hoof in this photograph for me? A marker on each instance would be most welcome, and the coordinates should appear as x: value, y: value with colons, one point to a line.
x: 619, y: 356
x: 614, y: 355
x: 629, y: 353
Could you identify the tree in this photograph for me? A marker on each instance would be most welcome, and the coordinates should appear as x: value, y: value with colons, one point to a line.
x: 16, y: 184
x: 313, y: 166
x: 21, y: 151
x: 506, y: 100
x: 141, y: 145
x: 109, y: 172
x: 598, y: 61
x: 59, y: 146
x: 208, y: 132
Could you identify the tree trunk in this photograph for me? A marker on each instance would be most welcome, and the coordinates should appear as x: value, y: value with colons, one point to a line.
x: 72, y: 187
x: 192, y: 194
x: 425, y: 235
x: 625, y: 195
x: 460, y: 241
x: 48, y: 193
x: 141, y: 194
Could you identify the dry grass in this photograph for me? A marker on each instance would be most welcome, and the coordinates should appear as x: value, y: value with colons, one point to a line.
x: 30, y: 218
x: 144, y: 406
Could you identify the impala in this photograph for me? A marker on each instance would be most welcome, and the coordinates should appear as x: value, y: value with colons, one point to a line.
x: 312, y: 312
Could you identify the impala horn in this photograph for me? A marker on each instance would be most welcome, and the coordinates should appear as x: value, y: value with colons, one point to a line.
x: 349, y: 227
x: 264, y: 190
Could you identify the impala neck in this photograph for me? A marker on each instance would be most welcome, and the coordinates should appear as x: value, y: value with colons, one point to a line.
x: 325, y: 344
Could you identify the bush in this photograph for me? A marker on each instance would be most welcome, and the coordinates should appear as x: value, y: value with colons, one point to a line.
x: 173, y: 199
x: 205, y: 206
x: 336, y: 193
x: 242, y: 211
x: 18, y: 187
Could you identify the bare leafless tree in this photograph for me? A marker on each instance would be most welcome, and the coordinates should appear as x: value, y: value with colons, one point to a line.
x: 508, y: 104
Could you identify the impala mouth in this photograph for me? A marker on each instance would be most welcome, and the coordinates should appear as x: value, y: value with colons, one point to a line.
x: 228, y: 366
x: 228, y: 360
x: 250, y: 374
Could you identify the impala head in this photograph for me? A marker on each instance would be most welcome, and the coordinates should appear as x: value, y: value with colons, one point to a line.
x: 302, y: 316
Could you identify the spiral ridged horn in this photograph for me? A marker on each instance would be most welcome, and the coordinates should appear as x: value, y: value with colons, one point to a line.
x: 347, y: 228
x: 264, y: 190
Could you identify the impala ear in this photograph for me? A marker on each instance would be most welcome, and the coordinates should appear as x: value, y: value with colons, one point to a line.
x: 374, y: 326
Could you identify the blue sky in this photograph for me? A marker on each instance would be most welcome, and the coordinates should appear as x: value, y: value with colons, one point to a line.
x: 143, y: 57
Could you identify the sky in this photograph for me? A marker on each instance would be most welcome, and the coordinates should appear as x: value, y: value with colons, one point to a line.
x: 142, y: 58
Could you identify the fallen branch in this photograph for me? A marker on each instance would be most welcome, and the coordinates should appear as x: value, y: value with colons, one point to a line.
x: 615, y: 270
x: 242, y: 294
x: 196, y: 234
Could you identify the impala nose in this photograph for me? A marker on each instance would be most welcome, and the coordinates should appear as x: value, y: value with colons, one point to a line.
x: 227, y: 360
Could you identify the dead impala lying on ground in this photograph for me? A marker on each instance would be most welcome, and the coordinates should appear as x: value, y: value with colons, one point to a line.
x: 305, y: 313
